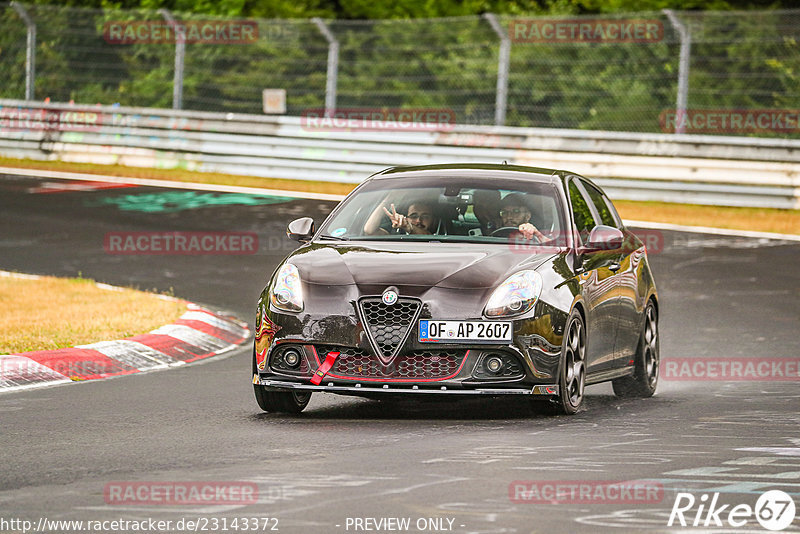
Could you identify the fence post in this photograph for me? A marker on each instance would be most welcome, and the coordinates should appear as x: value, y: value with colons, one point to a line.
x: 333, y: 66
x: 180, y: 52
x: 683, y: 70
x: 501, y: 98
x: 30, y: 55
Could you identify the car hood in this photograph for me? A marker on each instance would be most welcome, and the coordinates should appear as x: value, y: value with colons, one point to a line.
x: 444, y: 265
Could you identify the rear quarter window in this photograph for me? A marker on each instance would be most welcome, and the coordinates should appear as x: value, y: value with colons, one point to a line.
x: 582, y: 215
x: 601, y: 205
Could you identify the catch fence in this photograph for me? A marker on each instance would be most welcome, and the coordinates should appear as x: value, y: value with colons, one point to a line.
x: 631, y: 72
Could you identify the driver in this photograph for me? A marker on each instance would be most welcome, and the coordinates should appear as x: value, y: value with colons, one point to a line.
x: 514, y: 212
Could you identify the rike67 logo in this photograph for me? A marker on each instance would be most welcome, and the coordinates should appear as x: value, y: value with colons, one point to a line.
x: 774, y: 510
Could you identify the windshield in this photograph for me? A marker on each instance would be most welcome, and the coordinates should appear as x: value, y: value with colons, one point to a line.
x: 451, y: 209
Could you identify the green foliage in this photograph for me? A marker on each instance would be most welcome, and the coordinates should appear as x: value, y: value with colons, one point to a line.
x: 12, y: 54
x: 739, y: 60
x: 406, y: 9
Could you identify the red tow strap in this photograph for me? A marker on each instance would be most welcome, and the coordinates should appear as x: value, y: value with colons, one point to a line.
x: 324, y: 368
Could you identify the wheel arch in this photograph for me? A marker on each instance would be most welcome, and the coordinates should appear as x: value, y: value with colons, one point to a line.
x: 654, y: 299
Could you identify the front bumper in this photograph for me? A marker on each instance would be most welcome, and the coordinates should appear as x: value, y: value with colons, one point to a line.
x: 530, y: 362
x: 437, y: 369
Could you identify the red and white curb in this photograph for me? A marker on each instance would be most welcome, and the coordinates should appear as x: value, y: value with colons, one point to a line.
x: 199, y: 333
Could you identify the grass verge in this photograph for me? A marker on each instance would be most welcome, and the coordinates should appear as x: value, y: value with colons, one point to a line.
x: 53, y: 313
x: 754, y: 219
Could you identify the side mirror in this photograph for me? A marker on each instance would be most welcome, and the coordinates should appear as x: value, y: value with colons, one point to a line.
x: 301, y: 229
x: 605, y: 237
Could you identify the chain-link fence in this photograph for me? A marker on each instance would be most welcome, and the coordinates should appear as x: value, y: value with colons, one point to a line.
x: 618, y: 73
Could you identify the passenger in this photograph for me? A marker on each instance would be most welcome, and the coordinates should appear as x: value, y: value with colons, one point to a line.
x: 420, y: 219
x: 486, y: 207
x: 514, y: 212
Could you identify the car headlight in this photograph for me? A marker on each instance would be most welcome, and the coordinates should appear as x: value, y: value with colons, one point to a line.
x: 287, y: 292
x: 515, y: 296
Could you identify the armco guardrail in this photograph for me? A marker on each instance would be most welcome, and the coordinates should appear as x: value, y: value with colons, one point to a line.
x: 701, y: 169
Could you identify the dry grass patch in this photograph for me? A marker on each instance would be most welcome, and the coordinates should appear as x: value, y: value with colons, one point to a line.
x: 53, y: 313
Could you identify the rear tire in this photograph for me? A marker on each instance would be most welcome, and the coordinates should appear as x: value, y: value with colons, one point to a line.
x: 572, y: 375
x: 644, y: 380
x: 274, y: 401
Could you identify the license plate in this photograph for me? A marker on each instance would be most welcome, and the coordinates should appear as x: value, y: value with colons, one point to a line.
x: 464, y: 331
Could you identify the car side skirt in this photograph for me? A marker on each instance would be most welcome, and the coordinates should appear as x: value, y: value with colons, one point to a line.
x: 604, y: 376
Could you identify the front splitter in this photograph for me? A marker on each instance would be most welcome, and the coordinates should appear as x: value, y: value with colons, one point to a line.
x: 539, y: 390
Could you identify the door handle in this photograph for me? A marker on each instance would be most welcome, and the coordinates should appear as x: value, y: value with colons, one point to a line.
x: 614, y: 267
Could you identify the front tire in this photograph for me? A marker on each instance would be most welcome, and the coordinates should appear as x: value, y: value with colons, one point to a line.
x: 274, y: 401
x: 281, y: 401
x: 644, y: 380
x: 572, y: 376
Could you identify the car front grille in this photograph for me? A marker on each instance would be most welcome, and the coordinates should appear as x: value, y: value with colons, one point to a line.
x: 387, y: 326
x: 430, y: 364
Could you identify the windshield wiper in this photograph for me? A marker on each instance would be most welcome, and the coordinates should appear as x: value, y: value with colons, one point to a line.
x: 335, y: 237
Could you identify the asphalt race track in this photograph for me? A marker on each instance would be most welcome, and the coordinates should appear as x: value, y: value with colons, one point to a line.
x: 453, y: 462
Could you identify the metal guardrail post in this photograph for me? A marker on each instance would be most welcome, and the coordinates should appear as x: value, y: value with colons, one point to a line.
x: 180, y: 52
x: 501, y: 98
x: 333, y: 66
x: 683, y: 70
x: 30, y: 55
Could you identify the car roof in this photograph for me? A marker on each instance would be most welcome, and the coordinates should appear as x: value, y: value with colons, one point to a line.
x: 496, y: 170
x: 472, y: 168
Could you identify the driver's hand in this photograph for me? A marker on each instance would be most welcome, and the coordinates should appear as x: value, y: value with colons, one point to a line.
x: 529, y: 231
x: 398, y: 219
